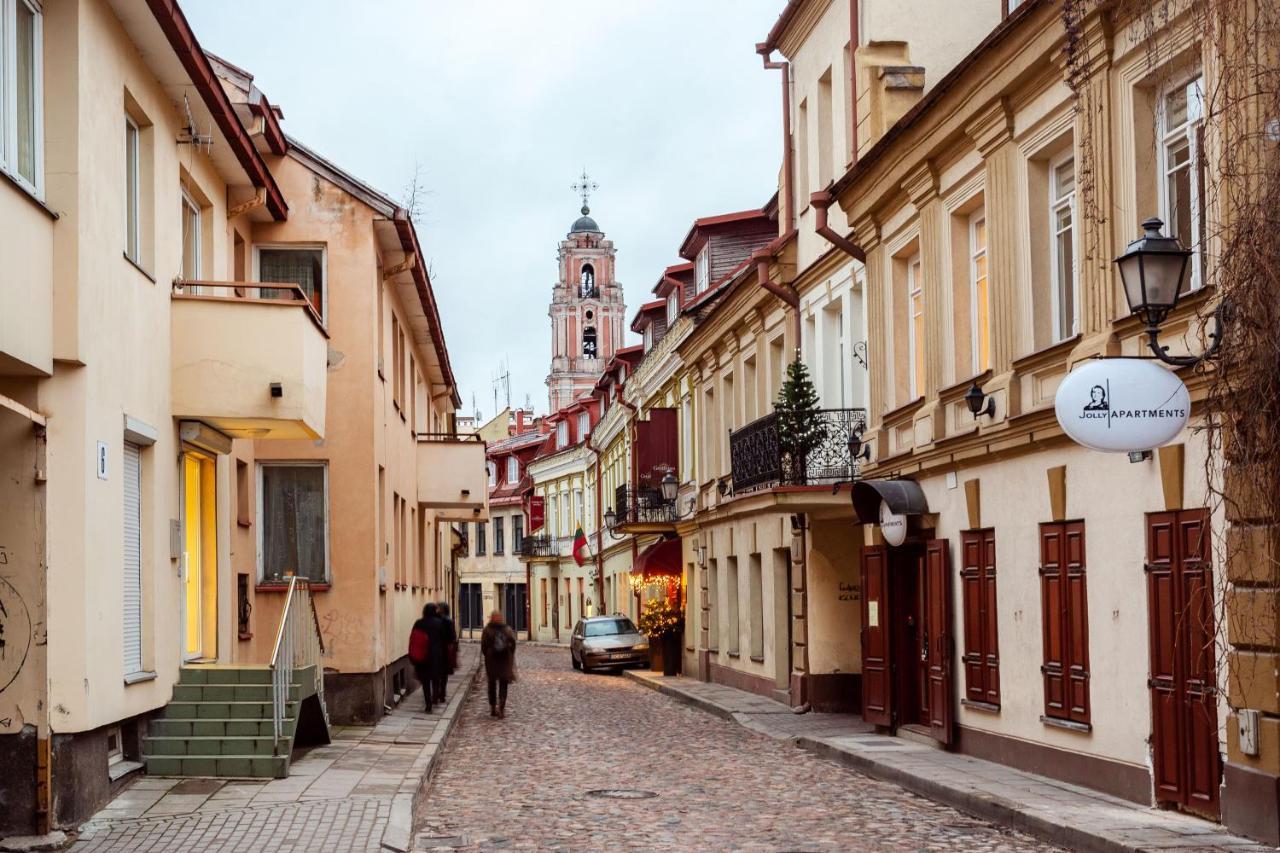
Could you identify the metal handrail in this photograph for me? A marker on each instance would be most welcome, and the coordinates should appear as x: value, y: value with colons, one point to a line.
x: 295, y: 295
x: 299, y: 644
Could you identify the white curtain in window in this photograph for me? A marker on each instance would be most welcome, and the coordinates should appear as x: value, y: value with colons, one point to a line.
x: 302, y: 267
x: 293, y: 521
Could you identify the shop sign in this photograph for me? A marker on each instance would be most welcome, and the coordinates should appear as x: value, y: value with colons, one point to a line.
x: 893, y: 527
x: 1120, y: 405
x: 537, y: 512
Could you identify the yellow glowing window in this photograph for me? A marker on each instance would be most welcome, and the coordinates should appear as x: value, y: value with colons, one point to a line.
x: 915, y: 291
x: 980, y: 294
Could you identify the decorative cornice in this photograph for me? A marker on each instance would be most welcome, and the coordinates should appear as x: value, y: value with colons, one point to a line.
x: 867, y: 232
x: 921, y: 184
x: 992, y: 126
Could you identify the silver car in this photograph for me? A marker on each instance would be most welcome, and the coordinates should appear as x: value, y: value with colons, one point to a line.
x: 607, y: 642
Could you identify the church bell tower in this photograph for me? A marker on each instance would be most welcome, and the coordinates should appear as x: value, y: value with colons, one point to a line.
x: 586, y: 308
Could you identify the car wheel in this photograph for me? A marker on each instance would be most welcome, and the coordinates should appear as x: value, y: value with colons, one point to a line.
x: 574, y: 658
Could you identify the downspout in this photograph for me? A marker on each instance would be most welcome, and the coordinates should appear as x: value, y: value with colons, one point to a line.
x: 788, y: 164
x: 599, y: 584
x: 783, y: 290
x: 821, y: 201
x: 855, y: 40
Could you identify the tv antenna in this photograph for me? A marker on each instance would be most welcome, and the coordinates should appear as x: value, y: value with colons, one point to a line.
x: 189, y: 134
x: 502, y: 382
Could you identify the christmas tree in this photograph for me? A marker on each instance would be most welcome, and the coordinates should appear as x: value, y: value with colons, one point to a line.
x: 799, y: 428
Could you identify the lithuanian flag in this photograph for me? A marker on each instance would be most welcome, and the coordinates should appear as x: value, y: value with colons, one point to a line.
x: 580, y: 552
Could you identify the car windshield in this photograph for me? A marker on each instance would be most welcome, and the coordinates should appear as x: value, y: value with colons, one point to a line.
x: 609, y: 627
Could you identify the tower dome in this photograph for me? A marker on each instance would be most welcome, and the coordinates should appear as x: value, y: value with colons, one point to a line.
x: 585, y: 223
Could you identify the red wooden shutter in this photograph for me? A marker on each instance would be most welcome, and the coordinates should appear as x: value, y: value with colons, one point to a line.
x: 991, y: 638
x: 1077, y: 649
x: 938, y: 620
x: 877, y: 677
x: 1162, y: 630
x: 1064, y: 605
x: 981, y: 643
x: 1053, y: 620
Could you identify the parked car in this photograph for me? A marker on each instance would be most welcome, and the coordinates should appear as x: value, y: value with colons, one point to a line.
x: 607, y: 642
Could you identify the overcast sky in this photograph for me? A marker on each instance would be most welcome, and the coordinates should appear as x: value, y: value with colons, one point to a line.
x: 501, y: 105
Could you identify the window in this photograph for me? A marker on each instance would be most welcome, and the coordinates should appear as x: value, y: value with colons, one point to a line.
x: 581, y: 520
x: 825, y: 130
x: 648, y: 337
x: 702, y: 270
x: 1182, y: 169
x: 915, y: 327
x: 293, y: 523
x: 190, y: 238
x: 517, y: 533
x: 294, y: 265
x: 584, y: 425
x: 553, y: 515
x: 464, y: 529
x: 978, y: 295
x: 132, y: 535
x: 1065, y: 623
x: 482, y: 535
x: 587, y: 281
x: 590, y: 347
x: 499, y: 537
x: 513, y: 469
x: 492, y: 468
x: 802, y: 155
x: 21, y: 95
x: 981, y: 646
x: 1062, y: 201
x: 673, y: 308
x: 756, y: 614
x: 542, y: 594
x: 470, y: 603
x: 562, y: 435
x: 132, y: 193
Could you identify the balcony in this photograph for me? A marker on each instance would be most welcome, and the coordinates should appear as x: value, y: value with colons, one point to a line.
x: 452, y: 477
x: 26, y: 297
x: 540, y: 546
x: 759, y: 462
x: 642, y: 509
x: 248, y: 364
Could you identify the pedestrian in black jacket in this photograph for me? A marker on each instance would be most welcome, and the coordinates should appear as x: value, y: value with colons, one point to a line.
x: 441, y: 684
x: 435, y: 668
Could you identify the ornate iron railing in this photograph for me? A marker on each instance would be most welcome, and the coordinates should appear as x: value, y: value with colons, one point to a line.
x: 538, y: 546
x: 642, y: 505
x: 759, y: 461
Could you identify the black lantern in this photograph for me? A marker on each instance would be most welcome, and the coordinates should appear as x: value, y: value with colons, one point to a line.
x: 669, y: 487
x: 1153, y: 269
x: 610, y: 518
x: 858, y: 450
x: 974, y: 399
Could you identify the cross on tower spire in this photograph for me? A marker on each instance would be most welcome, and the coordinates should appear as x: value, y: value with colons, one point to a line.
x: 583, y: 186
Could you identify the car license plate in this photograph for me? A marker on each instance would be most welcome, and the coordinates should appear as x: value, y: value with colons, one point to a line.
x: 619, y: 656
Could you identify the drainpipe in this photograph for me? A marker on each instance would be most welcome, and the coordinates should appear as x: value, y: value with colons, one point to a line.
x: 599, y: 584
x: 783, y: 290
x: 821, y: 201
x: 855, y: 39
x: 788, y: 165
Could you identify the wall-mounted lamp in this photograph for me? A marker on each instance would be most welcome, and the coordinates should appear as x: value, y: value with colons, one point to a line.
x: 610, y: 518
x: 724, y: 486
x: 1139, y: 455
x: 975, y: 398
x: 670, y: 486
x: 858, y: 450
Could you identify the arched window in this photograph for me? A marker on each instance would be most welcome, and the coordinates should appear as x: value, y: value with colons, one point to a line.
x: 589, y: 342
x: 587, y: 280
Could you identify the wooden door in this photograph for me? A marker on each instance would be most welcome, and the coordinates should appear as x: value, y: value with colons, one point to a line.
x: 1184, y: 717
x: 877, y: 676
x: 938, y: 618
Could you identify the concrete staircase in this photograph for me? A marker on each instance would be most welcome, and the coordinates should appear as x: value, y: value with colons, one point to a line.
x: 219, y: 723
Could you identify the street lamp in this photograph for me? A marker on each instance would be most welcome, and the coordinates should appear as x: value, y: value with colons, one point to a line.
x: 974, y: 399
x: 858, y: 450
x: 1153, y: 269
x: 610, y: 518
x: 670, y: 487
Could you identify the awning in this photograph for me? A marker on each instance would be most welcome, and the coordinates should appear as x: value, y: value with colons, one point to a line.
x: 904, y: 497
x: 661, y: 559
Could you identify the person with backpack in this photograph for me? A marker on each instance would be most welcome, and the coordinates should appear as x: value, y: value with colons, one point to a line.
x: 420, y: 651
x: 498, y: 645
x: 450, y: 638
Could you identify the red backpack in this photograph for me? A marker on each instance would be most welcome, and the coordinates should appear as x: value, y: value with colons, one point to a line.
x: 419, y: 645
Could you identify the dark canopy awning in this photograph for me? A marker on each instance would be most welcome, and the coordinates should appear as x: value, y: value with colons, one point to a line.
x: 659, y: 559
x: 905, y: 497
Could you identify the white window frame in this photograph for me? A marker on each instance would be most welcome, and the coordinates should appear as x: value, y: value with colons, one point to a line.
x: 913, y: 288
x: 189, y: 203
x: 328, y: 511
x: 1165, y: 136
x: 493, y: 473
x: 1056, y: 205
x: 584, y: 424
x: 324, y: 268
x: 978, y: 217
x: 9, y: 93
x: 702, y: 270
x: 673, y: 308
x: 562, y: 435
x: 132, y: 191
x: 648, y: 337
x: 513, y: 469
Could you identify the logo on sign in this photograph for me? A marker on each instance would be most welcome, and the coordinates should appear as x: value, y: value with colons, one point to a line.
x: 1122, y: 405
x: 893, y: 527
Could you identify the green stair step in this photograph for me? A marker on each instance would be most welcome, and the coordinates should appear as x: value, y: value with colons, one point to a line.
x: 222, y: 766
x: 239, y: 710
x: 223, y: 675
x: 201, y: 746
x: 229, y: 692
x: 201, y: 727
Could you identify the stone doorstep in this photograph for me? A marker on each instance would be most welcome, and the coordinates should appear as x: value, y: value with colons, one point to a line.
x: 1098, y: 823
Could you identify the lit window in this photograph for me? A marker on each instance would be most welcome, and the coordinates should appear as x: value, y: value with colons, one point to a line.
x: 190, y: 238
x: 1062, y: 200
x: 1182, y: 169
x: 133, y: 231
x: 979, y: 294
x: 21, y: 37
x: 915, y: 329
x: 294, y: 525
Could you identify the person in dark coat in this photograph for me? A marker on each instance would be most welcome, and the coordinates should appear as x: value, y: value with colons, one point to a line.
x: 422, y: 668
x: 498, y: 645
x: 435, y: 670
x: 450, y: 653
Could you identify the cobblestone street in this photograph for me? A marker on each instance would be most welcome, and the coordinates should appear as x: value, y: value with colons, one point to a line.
x: 525, y: 782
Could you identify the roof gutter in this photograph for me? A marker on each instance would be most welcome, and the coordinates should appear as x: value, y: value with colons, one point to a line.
x: 821, y: 201
x: 182, y: 39
x: 765, y: 49
x: 409, y: 243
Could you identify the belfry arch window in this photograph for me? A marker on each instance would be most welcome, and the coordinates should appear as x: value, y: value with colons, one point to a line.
x: 589, y: 342
x: 587, y: 281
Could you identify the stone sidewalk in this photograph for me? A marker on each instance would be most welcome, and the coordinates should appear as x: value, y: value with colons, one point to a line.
x: 1055, y: 811
x: 357, y: 793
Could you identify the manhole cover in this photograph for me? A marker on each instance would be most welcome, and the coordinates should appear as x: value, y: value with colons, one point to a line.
x: 622, y: 794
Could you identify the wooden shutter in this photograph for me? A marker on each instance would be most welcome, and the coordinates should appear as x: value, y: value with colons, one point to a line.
x: 877, y: 677
x: 1203, y: 758
x: 1162, y: 627
x: 1065, y: 610
x: 132, y: 632
x: 938, y: 620
x: 981, y: 645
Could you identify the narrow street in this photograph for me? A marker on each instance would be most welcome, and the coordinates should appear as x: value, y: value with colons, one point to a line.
x: 525, y: 782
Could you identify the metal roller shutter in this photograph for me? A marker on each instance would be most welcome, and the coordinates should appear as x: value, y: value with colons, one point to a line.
x: 132, y: 469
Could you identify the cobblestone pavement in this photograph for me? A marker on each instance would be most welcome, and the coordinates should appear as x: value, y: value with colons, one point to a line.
x: 525, y: 782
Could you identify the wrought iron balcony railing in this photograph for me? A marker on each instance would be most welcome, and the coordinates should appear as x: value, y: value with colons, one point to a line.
x: 538, y: 546
x: 759, y: 461
x: 642, y: 505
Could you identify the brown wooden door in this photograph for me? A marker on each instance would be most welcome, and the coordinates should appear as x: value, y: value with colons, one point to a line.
x: 877, y: 676
x: 938, y: 618
x: 1184, y: 715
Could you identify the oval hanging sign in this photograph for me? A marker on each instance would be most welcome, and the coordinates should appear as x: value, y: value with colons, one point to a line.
x: 1120, y: 405
x: 893, y: 527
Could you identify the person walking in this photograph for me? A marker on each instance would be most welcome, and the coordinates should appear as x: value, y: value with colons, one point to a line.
x: 498, y: 645
x: 433, y: 668
x: 450, y: 636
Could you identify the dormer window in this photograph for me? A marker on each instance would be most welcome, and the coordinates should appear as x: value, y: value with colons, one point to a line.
x: 513, y: 469
x: 584, y: 425
x: 702, y: 270
x: 562, y: 435
x: 648, y: 338
x: 493, y: 474
x: 673, y: 308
